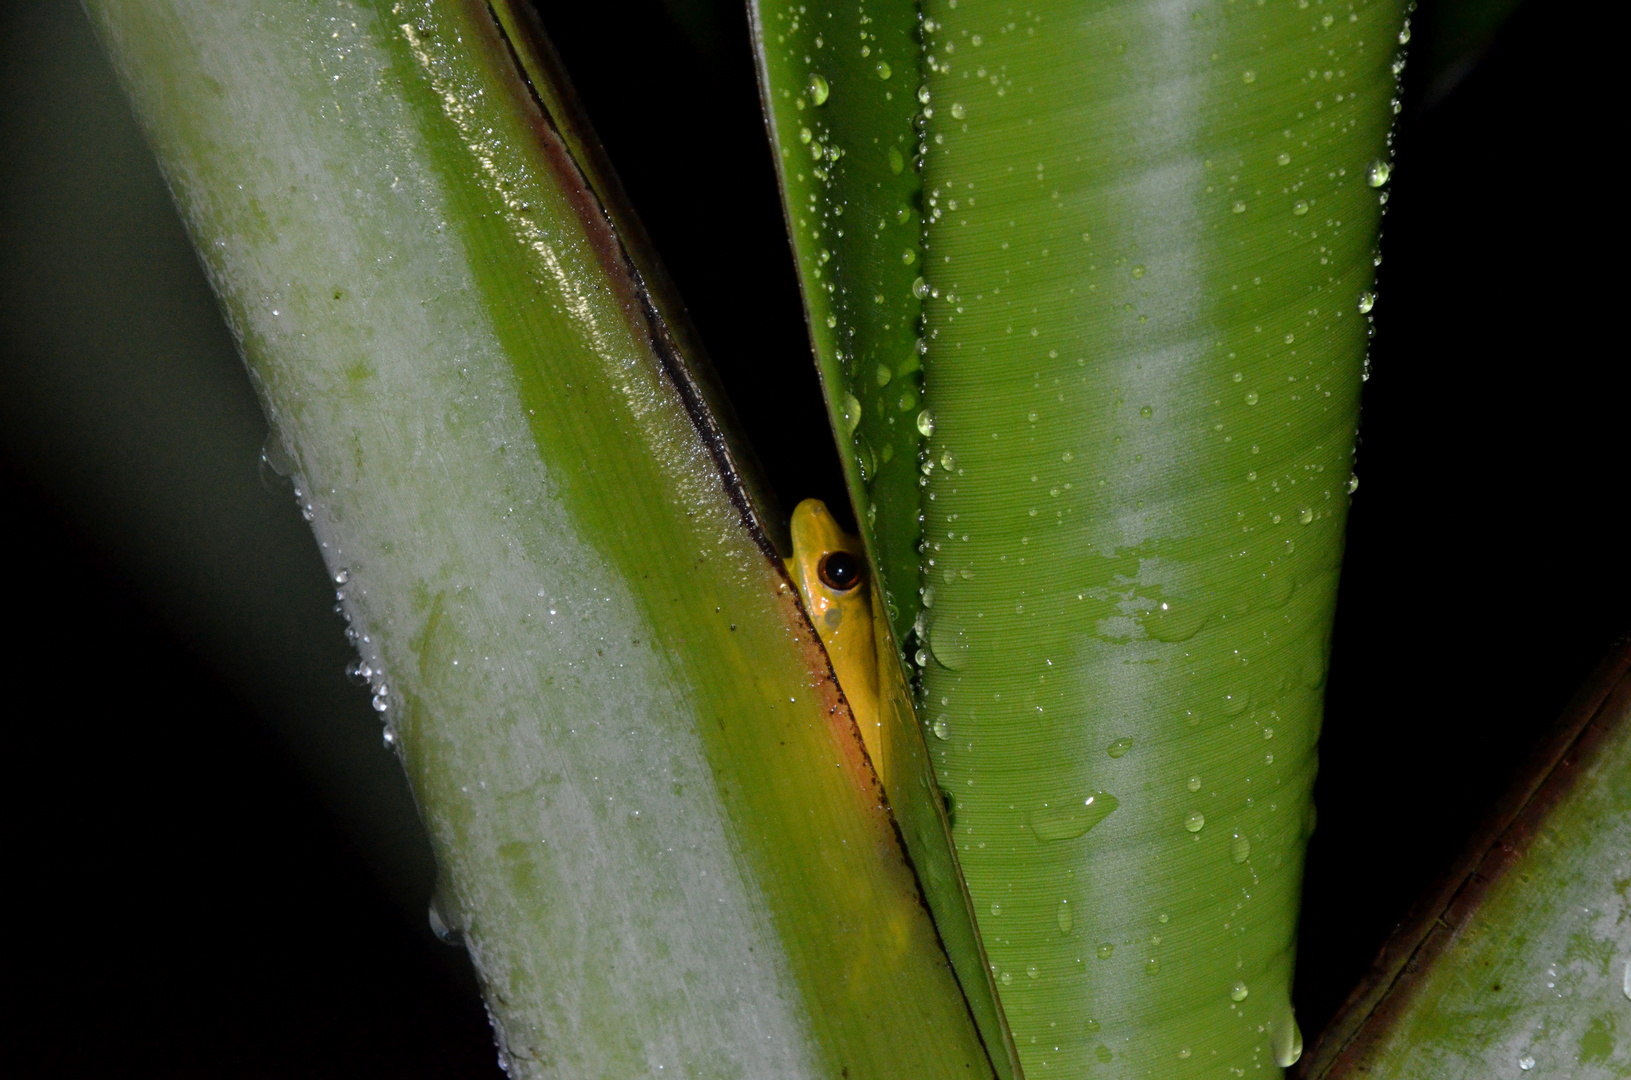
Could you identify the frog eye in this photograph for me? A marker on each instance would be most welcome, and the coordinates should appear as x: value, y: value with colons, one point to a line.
x: 840, y: 571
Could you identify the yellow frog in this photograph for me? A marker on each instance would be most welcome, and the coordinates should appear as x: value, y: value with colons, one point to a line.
x: 829, y: 568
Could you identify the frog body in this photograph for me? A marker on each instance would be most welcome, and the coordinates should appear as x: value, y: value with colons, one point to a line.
x: 829, y: 568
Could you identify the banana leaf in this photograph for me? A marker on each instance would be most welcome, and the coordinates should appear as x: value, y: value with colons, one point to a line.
x: 1104, y: 477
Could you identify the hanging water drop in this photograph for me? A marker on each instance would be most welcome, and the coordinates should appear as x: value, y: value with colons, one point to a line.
x: 1378, y: 173
x: 925, y: 423
x: 1287, y: 1038
x: 1367, y: 301
x: 819, y: 90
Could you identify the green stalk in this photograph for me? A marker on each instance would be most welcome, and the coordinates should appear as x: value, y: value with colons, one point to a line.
x: 1519, y: 961
x: 658, y: 832
x: 1149, y: 236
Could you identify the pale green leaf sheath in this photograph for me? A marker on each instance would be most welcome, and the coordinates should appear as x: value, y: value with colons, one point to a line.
x: 1148, y: 245
x: 1519, y: 962
x: 659, y: 833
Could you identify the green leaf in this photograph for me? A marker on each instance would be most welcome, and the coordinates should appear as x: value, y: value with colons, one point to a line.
x: 1147, y: 261
x: 1519, y: 960
x: 840, y: 91
x: 658, y: 831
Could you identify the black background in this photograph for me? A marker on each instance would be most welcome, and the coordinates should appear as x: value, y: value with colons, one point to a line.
x: 211, y: 866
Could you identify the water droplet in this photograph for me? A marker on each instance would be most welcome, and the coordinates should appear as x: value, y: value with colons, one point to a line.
x: 1240, y: 849
x: 923, y: 94
x: 1238, y: 992
x: 1284, y: 158
x: 1102, y: 1052
x: 867, y: 459
x: 1526, y: 1063
x: 1105, y: 950
x: 942, y: 729
x: 1378, y: 173
x: 958, y: 110
x: 850, y: 413
x: 1146, y: 412
x: 1194, y: 783
x: 1299, y: 208
x: 1138, y: 272
x: 1404, y: 33
x: 1007, y: 977
x: 884, y: 70
x: 1398, y: 67
x: 444, y: 923
x: 1119, y: 747
x: 897, y: 165
x: 819, y: 90
x: 920, y: 288
x: 380, y: 702
x: 1248, y: 76
x: 948, y: 461
x: 1032, y: 971
x: 1195, y: 822
x: 1251, y: 398
x: 1094, y: 1025
x: 1287, y: 1038
x: 996, y: 907
x: 1239, y: 207
x: 832, y: 321
x: 947, y: 641
x: 1070, y: 821
x: 909, y: 256
x: 1306, y: 516
x: 1152, y: 966
x: 341, y: 576
x: 1064, y: 917
x: 884, y: 375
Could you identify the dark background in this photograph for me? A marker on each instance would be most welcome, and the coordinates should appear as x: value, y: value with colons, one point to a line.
x: 212, y: 868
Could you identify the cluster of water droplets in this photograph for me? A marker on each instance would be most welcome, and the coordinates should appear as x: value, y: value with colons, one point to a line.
x: 277, y: 469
